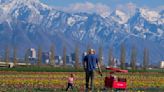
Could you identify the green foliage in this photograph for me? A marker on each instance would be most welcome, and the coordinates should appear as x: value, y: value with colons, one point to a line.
x: 152, y: 70
x: 61, y: 69
x: 42, y: 69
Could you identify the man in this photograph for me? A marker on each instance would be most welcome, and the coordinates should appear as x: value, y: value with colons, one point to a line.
x: 90, y: 61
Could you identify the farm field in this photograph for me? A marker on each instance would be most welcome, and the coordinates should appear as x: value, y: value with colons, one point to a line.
x: 57, y: 81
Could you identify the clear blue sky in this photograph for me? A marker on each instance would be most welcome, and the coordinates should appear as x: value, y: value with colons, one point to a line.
x: 110, y: 3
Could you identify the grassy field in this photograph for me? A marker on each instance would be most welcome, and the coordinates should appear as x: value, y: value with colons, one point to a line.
x: 61, y: 69
x: 45, y: 80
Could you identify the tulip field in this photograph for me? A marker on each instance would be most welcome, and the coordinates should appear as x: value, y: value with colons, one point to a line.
x: 57, y: 81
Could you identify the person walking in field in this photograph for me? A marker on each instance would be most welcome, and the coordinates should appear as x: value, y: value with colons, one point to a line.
x: 89, y: 63
x: 70, y: 82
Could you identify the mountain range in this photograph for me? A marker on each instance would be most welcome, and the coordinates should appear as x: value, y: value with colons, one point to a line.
x: 30, y: 23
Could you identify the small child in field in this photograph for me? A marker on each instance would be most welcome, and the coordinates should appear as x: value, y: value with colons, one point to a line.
x: 70, y: 82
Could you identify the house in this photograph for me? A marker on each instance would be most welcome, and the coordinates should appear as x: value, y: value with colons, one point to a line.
x: 162, y: 64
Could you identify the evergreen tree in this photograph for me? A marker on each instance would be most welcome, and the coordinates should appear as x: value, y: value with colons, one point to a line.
x: 122, y: 56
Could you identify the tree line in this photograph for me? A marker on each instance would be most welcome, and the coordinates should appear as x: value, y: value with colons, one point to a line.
x: 133, y: 57
x: 111, y: 62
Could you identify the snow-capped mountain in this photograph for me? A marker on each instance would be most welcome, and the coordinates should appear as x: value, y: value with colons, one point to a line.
x: 4, y: 1
x: 120, y: 16
x: 147, y: 27
x: 29, y: 23
x: 151, y: 16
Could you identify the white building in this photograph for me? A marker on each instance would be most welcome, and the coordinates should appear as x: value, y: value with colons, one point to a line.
x: 162, y: 64
x: 32, y: 53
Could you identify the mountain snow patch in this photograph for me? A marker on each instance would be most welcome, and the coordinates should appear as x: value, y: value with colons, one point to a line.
x: 160, y: 32
x: 151, y: 16
x: 120, y: 16
x: 71, y: 21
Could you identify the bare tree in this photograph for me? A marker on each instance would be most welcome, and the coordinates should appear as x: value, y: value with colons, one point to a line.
x: 111, y: 58
x: 100, y: 55
x: 145, y: 59
x: 39, y: 55
x: 88, y: 46
x: 15, y: 56
x: 26, y: 58
x: 52, y: 55
x: 133, y: 58
x: 7, y: 52
x: 123, y: 56
x: 64, y: 56
x: 77, y: 56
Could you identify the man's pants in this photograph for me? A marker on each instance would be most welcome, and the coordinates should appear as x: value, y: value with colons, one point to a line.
x: 89, y: 77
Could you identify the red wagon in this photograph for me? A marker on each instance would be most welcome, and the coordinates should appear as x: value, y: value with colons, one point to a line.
x: 113, y: 82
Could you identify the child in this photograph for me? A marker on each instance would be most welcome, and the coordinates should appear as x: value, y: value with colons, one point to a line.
x: 70, y: 82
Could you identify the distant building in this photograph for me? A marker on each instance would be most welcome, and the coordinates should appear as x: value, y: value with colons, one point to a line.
x: 115, y: 62
x: 73, y: 57
x: 127, y: 65
x: 162, y: 64
x: 45, y: 57
x: 32, y: 53
x: 138, y: 65
x: 68, y: 59
x: 58, y: 60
